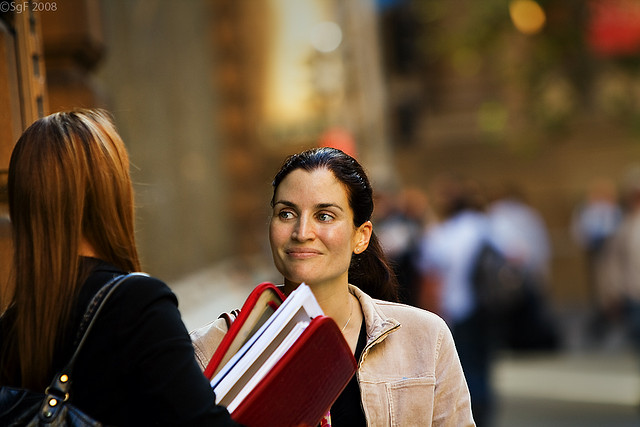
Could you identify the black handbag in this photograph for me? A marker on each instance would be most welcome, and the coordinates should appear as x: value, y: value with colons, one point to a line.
x: 21, y: 407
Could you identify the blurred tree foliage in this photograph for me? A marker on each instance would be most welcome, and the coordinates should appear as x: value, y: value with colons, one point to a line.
x: 555, y: 73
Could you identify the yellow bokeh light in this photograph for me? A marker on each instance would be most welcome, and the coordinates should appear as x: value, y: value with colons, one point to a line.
x: 527, y: 16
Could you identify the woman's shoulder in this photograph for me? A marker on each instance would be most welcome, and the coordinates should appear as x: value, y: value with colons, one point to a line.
x: 140, y: 292
x: 215, y: 328
x: 415, y: 328
x: 392, y: 309
x: 206, y: 340
x: 142, y: 283
x: 409, y: 314
x: 411, y: 319
x: 137, y: 290
x: 396, y: 310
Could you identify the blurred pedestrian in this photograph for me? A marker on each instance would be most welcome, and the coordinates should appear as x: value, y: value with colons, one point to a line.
x: 400, y: 221
x: 449, y: 251
x: 593, y: 223
x: 618, y: 291
x: 520, y: 234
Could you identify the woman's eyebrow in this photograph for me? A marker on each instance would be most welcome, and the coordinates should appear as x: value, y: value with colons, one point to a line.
x: 317, y: 206
x: 328, y: 205
x: 285, y: 202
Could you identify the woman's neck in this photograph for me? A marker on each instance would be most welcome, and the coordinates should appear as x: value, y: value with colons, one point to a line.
x: 337, y: 302
x: 332, y: 297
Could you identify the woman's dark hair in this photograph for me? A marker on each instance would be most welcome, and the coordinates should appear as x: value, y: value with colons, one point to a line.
x: 368, y: 270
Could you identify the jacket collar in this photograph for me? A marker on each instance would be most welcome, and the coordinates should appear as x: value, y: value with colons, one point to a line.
x: 377, y: 324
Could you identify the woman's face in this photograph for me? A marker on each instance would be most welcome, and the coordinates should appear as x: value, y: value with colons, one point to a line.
x: 311, y: 230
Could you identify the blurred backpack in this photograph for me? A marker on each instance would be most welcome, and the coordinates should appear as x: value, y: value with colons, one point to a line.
x: 497, y: 283
x: 511, y: 299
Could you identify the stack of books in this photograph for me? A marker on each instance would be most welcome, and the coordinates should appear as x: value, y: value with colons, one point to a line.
x: 282, y: 362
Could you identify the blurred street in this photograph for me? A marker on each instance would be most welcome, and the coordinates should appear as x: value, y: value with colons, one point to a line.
x: 581, y: 385
x: 586, y: 388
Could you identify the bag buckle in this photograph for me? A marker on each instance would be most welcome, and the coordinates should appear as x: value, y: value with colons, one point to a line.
x: 57, y: 393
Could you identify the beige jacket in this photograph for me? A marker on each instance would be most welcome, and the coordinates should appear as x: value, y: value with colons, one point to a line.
x: 409, y: 372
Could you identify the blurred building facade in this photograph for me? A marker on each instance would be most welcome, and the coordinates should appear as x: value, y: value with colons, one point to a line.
x: 23, y: 98
x: 187, y: 84
x: 194, y: 89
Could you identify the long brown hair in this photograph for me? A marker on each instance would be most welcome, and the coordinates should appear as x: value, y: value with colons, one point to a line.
x: 369, y: 270
x: 68, y: 180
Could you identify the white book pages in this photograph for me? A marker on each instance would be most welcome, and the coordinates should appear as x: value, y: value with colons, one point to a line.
x: 253, y: 359
x: 268, y: 364
x: 301, y: 305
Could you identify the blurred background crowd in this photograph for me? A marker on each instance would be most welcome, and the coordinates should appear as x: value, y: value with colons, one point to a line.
x: 501, y: 136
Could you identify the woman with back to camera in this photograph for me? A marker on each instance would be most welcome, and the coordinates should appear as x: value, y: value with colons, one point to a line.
x: 320, y: 232
x: 72, y: 219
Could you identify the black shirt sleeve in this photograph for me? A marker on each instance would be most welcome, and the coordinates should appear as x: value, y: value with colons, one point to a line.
x: 138, y: 365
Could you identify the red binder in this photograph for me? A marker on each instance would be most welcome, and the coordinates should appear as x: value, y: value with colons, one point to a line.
x: 303, y: 384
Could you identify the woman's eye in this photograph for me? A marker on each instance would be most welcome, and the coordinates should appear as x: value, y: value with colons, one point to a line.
x: 325, y: 217
x: 285, y: 215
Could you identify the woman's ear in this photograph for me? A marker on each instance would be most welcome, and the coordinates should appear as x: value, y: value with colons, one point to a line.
x: 363, y: 234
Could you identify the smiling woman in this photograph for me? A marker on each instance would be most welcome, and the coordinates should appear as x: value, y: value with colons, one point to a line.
x: 312, y: 233
x: 321, y: 234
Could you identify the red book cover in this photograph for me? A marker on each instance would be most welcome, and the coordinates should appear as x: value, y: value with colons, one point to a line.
x: 303, y: 385
x: 263, y: 300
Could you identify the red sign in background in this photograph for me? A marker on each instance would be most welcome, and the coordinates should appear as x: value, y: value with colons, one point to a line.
x: 614, y: 27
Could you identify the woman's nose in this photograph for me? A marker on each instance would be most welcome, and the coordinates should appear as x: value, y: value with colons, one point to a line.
x: 304, y: 229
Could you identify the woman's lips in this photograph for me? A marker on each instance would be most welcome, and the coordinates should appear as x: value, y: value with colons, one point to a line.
x: 301, y: 253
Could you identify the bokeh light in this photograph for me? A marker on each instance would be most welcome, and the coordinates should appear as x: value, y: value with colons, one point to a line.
x: 326, y: 36
x: 527, y: 16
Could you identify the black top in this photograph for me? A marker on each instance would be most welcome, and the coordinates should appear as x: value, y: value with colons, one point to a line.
x: 347, y: 409
x: 137, y: 366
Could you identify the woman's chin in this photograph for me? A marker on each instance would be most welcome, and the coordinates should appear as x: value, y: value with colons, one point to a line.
x: 296, y: 281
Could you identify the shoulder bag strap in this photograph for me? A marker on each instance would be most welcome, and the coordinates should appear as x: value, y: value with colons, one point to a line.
x: 61, y: 383
x: 93, y: 309
x: 58, y: 390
